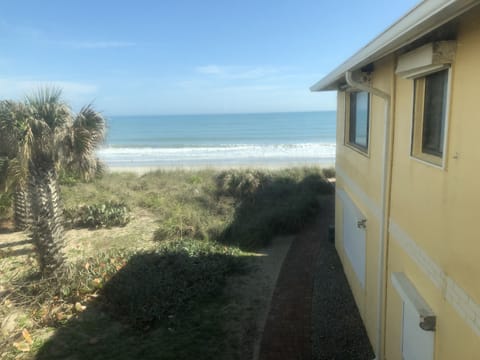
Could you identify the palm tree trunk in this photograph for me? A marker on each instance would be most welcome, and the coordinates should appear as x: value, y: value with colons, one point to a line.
x: 47, y: 231
x: 21, y: 207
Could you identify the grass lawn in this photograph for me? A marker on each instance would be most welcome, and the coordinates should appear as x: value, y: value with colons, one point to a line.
x: 179, y: 279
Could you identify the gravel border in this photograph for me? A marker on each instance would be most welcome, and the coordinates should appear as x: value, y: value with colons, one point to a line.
x: 337, y: 328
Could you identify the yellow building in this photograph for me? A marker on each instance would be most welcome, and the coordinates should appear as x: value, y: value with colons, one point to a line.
x: 408, y: 182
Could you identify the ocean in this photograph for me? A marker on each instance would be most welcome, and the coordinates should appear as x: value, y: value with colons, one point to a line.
x: 220, y: 140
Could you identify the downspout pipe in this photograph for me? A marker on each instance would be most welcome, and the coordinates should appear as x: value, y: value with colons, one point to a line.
x: 385, y: 190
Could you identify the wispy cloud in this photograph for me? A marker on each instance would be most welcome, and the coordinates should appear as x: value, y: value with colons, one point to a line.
x: 101, y: 44
x: 238, y: 72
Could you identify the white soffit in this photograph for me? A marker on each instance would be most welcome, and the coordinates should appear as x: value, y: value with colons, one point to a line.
x: 424, y: 18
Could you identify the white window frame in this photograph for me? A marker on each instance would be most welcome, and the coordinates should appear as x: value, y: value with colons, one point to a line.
x: 420, y: 62
x: 416, y: 152
x: 365, y: 151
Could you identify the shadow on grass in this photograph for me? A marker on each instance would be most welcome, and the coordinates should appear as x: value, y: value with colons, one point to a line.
x: 15, y: 243
x: 6, y: 226
x: 167, y: 305
x: 8, y: 249
x: 279, y: 204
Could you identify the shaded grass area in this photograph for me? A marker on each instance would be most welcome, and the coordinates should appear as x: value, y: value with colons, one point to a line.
x: 164, y: 298
x: 270, y: 204
x: 165, y: 304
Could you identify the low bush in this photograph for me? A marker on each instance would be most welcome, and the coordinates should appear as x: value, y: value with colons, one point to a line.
x: 181, y: 226
x: 108, y: 214
x: 67, y: 178
x: 329, y: 172
x: 282, y: 204
x: 5, y: 204
x: 241, y: 183
x: 160, y: 286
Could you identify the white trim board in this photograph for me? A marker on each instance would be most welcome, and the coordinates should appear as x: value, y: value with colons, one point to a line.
x: 463, y: 303
x: 356, y: 190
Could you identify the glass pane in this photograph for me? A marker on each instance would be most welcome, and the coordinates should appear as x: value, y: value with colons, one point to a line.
x: 434, y: 113
x: 361, y: 133
x: 353, y: 114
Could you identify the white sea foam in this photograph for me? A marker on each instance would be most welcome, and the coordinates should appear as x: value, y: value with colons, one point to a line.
x: 234, y: 154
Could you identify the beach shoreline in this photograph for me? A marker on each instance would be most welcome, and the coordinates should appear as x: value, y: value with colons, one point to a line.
x: 140, y: 170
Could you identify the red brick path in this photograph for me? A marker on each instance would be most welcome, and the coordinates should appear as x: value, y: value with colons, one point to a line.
x: 287, y: 333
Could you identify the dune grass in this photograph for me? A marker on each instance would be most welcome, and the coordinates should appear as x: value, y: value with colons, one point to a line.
x: 245, y: 208
x: 164, y: 297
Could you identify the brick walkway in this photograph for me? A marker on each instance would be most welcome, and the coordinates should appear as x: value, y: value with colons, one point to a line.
x: 288, y: 328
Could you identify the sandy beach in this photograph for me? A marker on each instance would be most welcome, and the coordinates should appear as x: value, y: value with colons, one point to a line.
x: 140, y: 170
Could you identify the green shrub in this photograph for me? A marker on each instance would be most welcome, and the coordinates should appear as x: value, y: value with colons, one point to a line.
x: 192, y: 224
x: 180, y: 226
x: 160, y: 286
x: 5, y: 204
x: 283, y: 204
x: 95, y: 216
x: 328, y: 172
x: 67, y: 178
x: 241, y: 183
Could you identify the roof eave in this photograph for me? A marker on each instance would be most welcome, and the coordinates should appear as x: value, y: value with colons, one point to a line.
x: 422, y: 19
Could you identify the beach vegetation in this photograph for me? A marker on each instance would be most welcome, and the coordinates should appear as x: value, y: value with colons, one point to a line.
x: 43, y: 135
x: 107, y: 214
x: 5, y: 204
x: 167, y: 285
x: 270, y: 203
x: 329, y: 172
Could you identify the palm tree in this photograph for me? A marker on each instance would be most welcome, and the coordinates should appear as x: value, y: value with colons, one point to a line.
x: 14, y: 150
x: 50, y: 138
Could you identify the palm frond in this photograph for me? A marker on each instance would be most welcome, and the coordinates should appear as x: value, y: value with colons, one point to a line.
x: 84, y: 136
x: 92, y: 121
x: 48, y: 106
x: 3, y: 173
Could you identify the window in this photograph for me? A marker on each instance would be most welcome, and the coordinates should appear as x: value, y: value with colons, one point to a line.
x: 429, y: 117
x: 358, y: 120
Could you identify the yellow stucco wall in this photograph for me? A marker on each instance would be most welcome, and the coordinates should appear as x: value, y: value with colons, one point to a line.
x: 439, y: 208
x: 365, y: 171
x: 435, y: 208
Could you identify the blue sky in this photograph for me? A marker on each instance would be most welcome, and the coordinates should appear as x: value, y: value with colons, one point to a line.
x: 183, y: 57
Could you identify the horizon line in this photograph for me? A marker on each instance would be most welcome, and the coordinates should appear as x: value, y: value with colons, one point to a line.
x: 226, y: 113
